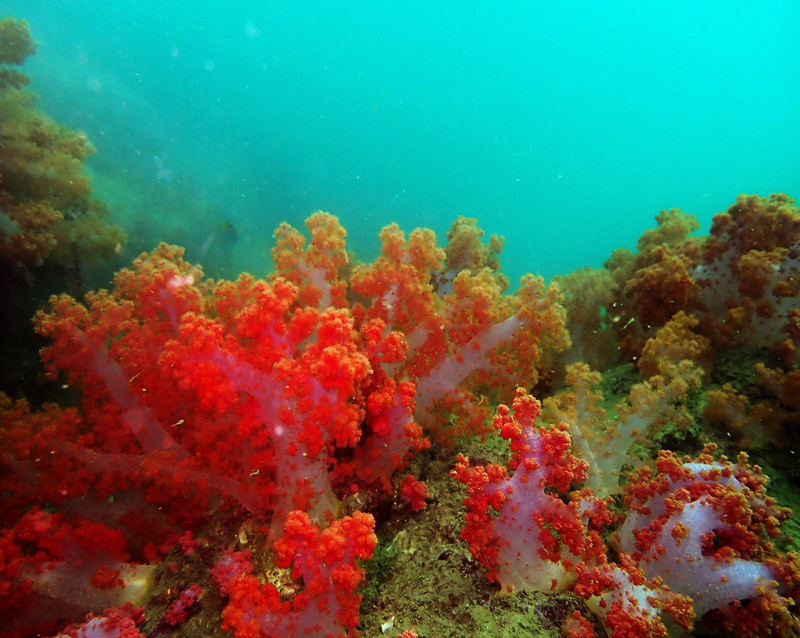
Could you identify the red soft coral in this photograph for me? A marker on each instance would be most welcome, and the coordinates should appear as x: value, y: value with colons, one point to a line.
x: 327, y: 563
x: 535, y: 537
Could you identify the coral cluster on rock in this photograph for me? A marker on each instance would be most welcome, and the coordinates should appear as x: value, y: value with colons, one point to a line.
x: 262, y: 431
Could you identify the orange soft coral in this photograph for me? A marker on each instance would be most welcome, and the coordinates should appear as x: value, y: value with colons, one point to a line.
x: 767, y: 417
x: 463, y: 337
x: 315, y: 269
x: 656, y: 282
x: 466, y: 251
x: 676, y: 341
x: 662, y: 288
x: 749, y: 276
x: 399, y: 282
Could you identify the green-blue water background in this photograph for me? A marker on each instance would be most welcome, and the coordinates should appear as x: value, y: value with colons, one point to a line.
x: 565, y: 126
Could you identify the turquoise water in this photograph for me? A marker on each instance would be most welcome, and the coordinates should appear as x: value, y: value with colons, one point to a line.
x: 564, y: 126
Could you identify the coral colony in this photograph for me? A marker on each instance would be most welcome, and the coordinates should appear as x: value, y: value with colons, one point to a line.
x: 271, y: 427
